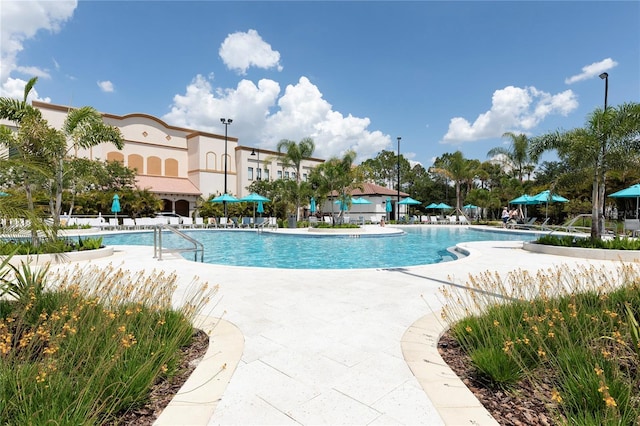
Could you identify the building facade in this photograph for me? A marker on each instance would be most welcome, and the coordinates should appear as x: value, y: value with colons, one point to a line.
x: 181, y: 165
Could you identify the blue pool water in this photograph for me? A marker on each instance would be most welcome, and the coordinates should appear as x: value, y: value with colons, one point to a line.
x: 418, y: 246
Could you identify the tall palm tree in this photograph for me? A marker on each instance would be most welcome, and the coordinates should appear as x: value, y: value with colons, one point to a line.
x: 516, y: 157
x: 458, y: 169
x: 606, y: 135
x: 294, y: 154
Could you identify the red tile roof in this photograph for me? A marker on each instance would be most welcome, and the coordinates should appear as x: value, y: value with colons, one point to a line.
x: 167, y: 185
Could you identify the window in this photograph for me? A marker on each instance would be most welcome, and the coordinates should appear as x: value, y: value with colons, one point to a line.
x: 266, y: 174
x: 293, y: 175
x: 279, y: 174
x: 258, y: 174
x: 305, y: 177
x: 250, y: 173
x: 286, y: 175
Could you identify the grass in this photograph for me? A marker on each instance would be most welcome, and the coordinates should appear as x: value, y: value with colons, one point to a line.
x: 573, y: 333
x: 11, y: 246
x: 85, y: 346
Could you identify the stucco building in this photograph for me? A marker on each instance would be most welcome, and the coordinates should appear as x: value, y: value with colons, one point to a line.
x: 178, y: 164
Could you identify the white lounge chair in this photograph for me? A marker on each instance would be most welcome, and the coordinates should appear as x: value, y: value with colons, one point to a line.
x: 128, y: 223
x: 199, y: 222
x: 187, y: 222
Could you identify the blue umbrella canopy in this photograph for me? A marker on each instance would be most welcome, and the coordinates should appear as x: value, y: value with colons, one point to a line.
x: 410, y: 201
x: 254, y: 198
x: 470, y: 207
x: 225, y: 197
x: 343, y: 205
x: 525, y: 199
x: 115, y: 204
x: 548, y: 197
x: 3, y: 194
x: 432, y: 206
x: 388, y: 206
x: 631, y: 192
x: 260, y: 208
x: 312, y: 205
x: 443, y: 206
x: 360, y: 201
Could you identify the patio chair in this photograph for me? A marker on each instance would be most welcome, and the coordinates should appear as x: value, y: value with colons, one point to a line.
x: 199, y: 222
x: 225, y: 222
x: 246, y: 222
x: 187, y: 222
x: 633, y: 226
x: 453, y: 220
x: 313, y: 221
x: 128, y: 223
x: 433, y: 220
x: 528, y: 224
x: 174, y: 221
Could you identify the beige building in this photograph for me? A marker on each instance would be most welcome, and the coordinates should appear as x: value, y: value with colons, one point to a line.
x: 181, y: 165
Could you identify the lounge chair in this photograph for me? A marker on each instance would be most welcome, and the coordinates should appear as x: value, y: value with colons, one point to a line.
x: 128, y: 223
x: 632, y: 226
x: 187, y: 222
x: 524, y: 225
x: 246, y: 222
x: 225, y: 223
x: 199, y: 222
x: 313, y: 221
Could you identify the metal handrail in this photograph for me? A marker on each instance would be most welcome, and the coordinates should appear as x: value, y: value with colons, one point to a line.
x: 157, y: 243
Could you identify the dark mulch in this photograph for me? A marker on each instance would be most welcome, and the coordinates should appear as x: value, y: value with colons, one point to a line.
x: 163, y: 392
x: 523, y: 404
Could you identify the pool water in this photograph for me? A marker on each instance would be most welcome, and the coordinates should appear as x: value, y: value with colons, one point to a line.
x: 417, y: 246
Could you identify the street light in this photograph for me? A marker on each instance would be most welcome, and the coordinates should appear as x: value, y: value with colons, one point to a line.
x: 226, y: 122
x: 604, y: 76
x: 398, y: 205
x: 253, y: 152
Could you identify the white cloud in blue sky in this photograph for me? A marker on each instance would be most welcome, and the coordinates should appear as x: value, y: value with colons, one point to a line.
x: 242, y: 50
x: 513, y: 109
x: 592, y: 70
x: 106, y: 86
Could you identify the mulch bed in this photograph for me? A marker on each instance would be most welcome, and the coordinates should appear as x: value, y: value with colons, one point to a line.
x: 163, y: 391
x: 521, y: 405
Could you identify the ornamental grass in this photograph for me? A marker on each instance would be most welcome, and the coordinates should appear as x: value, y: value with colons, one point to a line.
x: 572, y: 333
x: 85, y: 345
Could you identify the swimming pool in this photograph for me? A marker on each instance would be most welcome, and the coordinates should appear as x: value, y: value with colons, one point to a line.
x: 417, y: 246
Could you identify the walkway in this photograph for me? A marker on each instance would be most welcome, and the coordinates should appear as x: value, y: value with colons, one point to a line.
x: 326, y: 346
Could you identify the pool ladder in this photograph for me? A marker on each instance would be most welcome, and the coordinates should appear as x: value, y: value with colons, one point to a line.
x: 198, y: 247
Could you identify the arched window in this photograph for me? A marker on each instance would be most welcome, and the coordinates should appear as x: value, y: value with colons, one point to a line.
x: 211, y: 161
x: 171, y: 167
x: 115, y: 156
x: 154, y: 166
x: 135, y: 161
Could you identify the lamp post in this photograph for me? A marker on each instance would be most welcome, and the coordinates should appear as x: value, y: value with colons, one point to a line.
x: 253, y: 152
x: 604, y: 76
x: 398, y: 203
x: 226, y: 122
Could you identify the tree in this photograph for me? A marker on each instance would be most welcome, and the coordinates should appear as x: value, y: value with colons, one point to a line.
x: 293, y: 156
x: 606, y: 136
x: 516, y: 157
x: 458, y: 169
x: 336, y: 178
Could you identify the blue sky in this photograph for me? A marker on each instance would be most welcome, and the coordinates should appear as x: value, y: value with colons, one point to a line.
x: 353, y: 75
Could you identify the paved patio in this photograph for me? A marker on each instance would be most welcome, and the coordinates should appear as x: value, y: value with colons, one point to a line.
x: 336, y: 346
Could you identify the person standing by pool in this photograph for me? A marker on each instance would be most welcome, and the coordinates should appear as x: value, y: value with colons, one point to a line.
x: 505, y: 217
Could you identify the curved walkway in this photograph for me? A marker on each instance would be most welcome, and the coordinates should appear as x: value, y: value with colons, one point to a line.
x: 338, y: 346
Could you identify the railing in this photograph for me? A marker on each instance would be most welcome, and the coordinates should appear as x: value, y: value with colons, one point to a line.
x: 157, y: 243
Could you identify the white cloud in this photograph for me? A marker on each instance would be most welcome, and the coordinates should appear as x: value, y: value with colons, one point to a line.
x: 239, y: 51
x: 261, y: 117
x: 513, y: 109
x: 20, y: 21
x: 106, y: 86
x: 592, y: 70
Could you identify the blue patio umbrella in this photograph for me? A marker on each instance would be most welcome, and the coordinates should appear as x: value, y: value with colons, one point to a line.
x: 3, y: 194
x: 525, y: 199
x: 432, y: 206
x: 388, y: 207
x: 255, y: 198
x: 547, y: 197
x: 343, y: 205
x: 115, y: 205
x: 443, y: 206
x: 260, y: 207
x: 360, y: 201
x: 409, y: 202
x: 224, y: 199
x: 470, y: 207
x: 631, y: 192
x: 312, y: 205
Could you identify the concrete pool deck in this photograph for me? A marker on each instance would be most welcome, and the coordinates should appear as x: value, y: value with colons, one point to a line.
x: 318, y: 346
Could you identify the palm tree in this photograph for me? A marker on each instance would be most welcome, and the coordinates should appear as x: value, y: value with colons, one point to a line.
x: 516, y: 157
x: 458, y: 169
x: 605, y: 137
x: 336, y: 176
x: 294, y: 154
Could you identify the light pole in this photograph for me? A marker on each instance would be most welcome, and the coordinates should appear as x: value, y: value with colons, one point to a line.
x: 604, y: 76
x: 226, y: 122
x: 253, y: 152
x: 398, y: 203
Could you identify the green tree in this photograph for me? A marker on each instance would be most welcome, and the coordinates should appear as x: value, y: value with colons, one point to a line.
x: 336, y: 178
x: 457, y: 169
x: 294, y: 154
x: 607, y: 135
x: 516, y: 157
